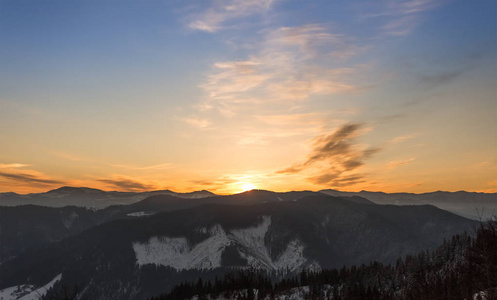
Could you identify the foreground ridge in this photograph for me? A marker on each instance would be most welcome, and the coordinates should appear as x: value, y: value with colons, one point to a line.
x: 462, y: 268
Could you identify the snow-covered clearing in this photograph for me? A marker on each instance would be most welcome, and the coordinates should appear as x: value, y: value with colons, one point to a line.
x: 141, y: 214
x: 178, y: 253
x: 26, y: 291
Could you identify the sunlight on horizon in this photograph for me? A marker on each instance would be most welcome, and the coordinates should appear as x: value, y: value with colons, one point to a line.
x: 247, y: 186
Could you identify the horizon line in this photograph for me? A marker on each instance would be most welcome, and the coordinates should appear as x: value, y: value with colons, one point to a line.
x: 223, y: 194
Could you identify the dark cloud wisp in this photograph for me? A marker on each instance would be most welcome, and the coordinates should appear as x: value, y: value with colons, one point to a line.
x: 29, y: 178
x: 339, y: 151
x: 128, y: 184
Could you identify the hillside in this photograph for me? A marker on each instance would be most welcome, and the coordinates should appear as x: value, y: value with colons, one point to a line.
x: 140, y: 257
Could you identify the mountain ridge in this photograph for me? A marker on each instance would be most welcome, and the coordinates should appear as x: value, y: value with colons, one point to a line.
x: 88, y: 197
x: 472, y: 205
x: 318, y: 228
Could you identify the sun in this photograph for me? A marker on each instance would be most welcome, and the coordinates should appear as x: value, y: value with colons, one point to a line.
x: 247, y: 186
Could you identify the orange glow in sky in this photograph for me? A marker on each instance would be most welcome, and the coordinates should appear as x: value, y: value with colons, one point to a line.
x: 387, y: 96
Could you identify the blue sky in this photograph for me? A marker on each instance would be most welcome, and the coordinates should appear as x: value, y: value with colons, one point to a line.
x: 224, y: 94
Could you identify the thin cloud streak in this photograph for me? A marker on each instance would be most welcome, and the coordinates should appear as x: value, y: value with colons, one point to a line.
x: 416, y: 6
x: 217, y: 185
x: 402, y: 138
x: 124, y: 183
x: 403, y: 16
x: 214, y: 18
x: 15, y: 165
x: 401, y: 26
x: 336, y: 180
x: 199, y: 123
x: 153, y: 167
x: 394, y: 164
x: 433, y: 81
x: 286, y: 119
x: 34, y: 178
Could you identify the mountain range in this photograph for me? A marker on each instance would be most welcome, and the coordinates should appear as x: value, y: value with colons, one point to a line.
x: 477, y: 206
x: 468, y: 204
x: 139, y: 250
x: 88, y: 197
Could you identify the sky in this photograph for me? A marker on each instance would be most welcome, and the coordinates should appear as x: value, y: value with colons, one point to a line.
x: 231, y: 95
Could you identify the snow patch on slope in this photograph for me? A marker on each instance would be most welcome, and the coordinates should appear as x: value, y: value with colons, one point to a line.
x: 177, y: 252
x: 292, y: 258
x: 254, y: 249
x: 27, y: 291
x: 141, y: 214
x: 70, y: 220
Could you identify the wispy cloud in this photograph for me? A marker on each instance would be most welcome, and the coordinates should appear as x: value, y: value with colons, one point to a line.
x: 258, y: 136
x: 15, y: 165
x: 291, y: 170
x: 436, y: 80
x: 196, y: 122
x: 311, y: 40
x: 339, y: 154
x: 12, y: 175
x: 402, y: 16
x: 492, y: 183
x: 214, y: 183
x: 337, y: 180
x: 413, y: 6
x: 216, y: 16
x: 303, y: 119
x: 71, y: 156
x: 223, y: 184
x: 152, y: 167
x: 267, y: 128
x: 401, y: 26
x: 394, y: 164
x: 338, y: 147
x: 30, y: 177
x: 485, y: 165
x: 125, y: 183
x: 402, y: 138
x: 293, y: 64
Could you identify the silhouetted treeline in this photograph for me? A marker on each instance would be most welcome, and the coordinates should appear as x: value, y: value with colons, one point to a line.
x: 460, y: 268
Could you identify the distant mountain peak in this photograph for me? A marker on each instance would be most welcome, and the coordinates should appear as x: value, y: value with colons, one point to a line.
x: 71, y: 189
x: 204, y: 191
x: 257, y: 191
x: 9, y: 194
